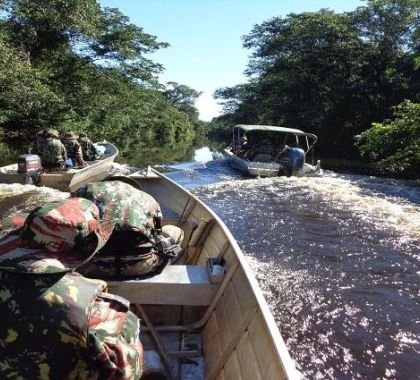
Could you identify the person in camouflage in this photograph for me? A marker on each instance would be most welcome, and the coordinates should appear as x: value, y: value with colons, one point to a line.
x: 57, y: 324
x: 52, y: 151
x: 138, y: 247
x: 34, y: 148
x: 74, y: 150
x: 88, y: 148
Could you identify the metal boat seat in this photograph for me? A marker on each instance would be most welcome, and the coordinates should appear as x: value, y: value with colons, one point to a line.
x: 175, y: 285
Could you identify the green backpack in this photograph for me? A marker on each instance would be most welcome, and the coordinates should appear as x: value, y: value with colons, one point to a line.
x: 139, y: 246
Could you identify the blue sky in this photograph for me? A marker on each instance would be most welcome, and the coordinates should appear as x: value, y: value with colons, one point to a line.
x: 205, y: 36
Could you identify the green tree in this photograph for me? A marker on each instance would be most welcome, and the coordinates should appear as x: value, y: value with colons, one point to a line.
x: 182, y: 97
x: 330, y: 74
x: 395, y: 145
x: 70, y: 64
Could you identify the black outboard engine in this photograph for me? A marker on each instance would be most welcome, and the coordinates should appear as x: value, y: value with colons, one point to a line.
x: 29, y: 165
x: 291, y: 160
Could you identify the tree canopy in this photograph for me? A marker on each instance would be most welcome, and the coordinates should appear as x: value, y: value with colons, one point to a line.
x: 395, y: 144
x: 69, y: 64
x: 328, y: 73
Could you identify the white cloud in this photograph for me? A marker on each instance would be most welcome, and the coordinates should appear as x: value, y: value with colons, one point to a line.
x: 207, y: 106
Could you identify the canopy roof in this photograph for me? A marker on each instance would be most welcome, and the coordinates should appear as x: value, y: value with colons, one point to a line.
x: 271, y: 128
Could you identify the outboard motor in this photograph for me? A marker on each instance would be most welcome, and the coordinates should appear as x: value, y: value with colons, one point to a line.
x: 29, y: 165
x: 292, y: 159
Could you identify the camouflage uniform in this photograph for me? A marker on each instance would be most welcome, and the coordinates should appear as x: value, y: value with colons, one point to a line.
x: 52, y: 153
x: 134, y: 248
x: 74, y: 150
x: 57, y: 324
x: 88, y: 148
x: 34, y: 148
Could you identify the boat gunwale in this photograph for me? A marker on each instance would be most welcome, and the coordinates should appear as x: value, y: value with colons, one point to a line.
x: 273, y: 329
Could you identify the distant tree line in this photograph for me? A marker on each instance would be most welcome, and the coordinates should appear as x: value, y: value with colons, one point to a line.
x: 71, y: 65
x: 334, y: 75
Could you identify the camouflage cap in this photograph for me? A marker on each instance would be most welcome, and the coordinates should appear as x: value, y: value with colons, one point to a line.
x: 56, y: 237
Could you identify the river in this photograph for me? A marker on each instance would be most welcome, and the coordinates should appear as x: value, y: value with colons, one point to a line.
x: 337, y: 257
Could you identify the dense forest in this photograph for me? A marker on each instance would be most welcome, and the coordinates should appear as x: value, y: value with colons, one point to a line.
x: 351, y: 78
x: 71, y: 65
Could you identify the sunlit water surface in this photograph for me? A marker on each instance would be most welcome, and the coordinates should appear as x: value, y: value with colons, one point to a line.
x: 337, y: 257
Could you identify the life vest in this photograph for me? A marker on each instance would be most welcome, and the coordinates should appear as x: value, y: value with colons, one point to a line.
x: 44, y: 322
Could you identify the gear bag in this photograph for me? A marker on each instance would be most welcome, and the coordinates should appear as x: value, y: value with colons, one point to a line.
x: 138, y: 247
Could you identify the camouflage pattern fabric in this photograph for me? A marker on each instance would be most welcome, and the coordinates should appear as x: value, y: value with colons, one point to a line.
x: 93, y: 332
x: 131, y: 250
x: 114, y: 339
x: 88, y: 149
x: 56, y: 237
x: 122, y: 256
x: 52, y: 152
x: 124, y: 260
x: 31, y: 340
x: 130, y: 208
x: 35, y: 147
x: 74, y: 151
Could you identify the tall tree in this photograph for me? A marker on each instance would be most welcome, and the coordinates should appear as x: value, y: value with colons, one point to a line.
x: 327, y: 73
x: 70, y: 64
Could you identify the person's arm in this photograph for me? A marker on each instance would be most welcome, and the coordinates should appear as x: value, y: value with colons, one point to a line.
x: 113, y: 339
x: 64, y: 151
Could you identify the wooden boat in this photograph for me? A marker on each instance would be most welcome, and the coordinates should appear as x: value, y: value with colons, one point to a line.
x: 68, y: 180
x: 268, y: 151
x: 205, y: 323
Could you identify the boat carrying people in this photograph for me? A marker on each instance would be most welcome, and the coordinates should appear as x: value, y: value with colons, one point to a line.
x: 268, y: 151
x: 37, y: 169
x: 202, y: 313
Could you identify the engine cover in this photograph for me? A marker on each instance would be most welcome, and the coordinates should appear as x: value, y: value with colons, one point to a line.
x: 29, y: 163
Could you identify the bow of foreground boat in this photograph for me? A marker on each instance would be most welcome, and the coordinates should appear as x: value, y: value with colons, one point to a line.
x: 206, y: 316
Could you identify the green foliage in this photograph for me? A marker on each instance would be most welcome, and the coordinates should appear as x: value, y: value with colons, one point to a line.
x: 327, y: 73
x: 395, y: 145
x: 74, y: 66
x: 183, y: 98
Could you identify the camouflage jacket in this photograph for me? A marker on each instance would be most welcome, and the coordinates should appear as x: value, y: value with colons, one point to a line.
x: 42, y: 316
x: 88, y: 149
x: 74, y: 151
x: 35, y: 146
x: 52, y: 151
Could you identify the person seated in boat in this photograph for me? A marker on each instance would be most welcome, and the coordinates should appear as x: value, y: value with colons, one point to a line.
x: 74, y: 150
x: 57, y: 324
x: 242, y: 145
x: 88, y: 148
x: 139, y: 246
x: 52, y: 151
x: 38, y: 142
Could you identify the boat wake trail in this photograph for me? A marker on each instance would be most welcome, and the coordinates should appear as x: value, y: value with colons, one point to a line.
x: 338, y: 258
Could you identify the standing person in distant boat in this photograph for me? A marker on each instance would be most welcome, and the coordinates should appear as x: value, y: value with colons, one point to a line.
x: 74, y: 150
x: 52, y: 151
x: 88, y: 148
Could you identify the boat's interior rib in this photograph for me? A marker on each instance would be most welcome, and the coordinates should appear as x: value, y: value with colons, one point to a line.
x: 203, y: 322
